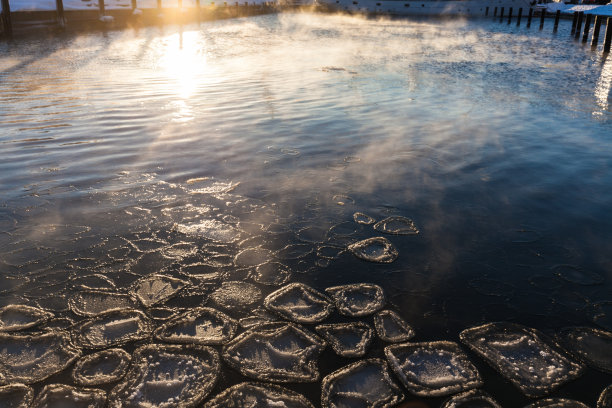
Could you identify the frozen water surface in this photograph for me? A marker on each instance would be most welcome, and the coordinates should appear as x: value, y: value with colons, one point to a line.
x: 300, y: 303
x: 396, y: 225
x: 433, y: 369
x: 366, y: 383
x: 253, y: 257
x: 30, y: 359
x: 359, y: 299
x: 593, y: 346
x: 605, y: 399
x: 16, y: 396
x: 391, y: 327
x: 347, y: 339
x: 91, y: 303
x: 523, y: 356
x: 361, y: 218
x: 236, y: 295
x: 106, y: 366
x: 112, y: 329
x: 62, y: 396
x: 254, y: 395
x: 578, y: 275
x: 20, y: 317
x: 200, y: 326
x: 155, y: 289
x: 277, y: 352
x: 377, y: 249
x: 471, y: 399
x: 557, y: 403
x: 272, y: 273
x: 167, y: 376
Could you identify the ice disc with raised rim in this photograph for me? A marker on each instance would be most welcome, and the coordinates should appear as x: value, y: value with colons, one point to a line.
x: 522, y: 355
x: 112, y: 329
x: 154, y: 289
x: 593, y: 346
x: 557, y: 403
x: 358, y: 299
x: 16, y: 396
x: 471, y: 399
x: 366, y: 383
x: 347, y: 339
x: 397, y: 225
x: 94, y: 302
x: 201, y: 325
x: 172, y: 376
x: 377, y: 249
x: 277, y: 352
x: 62, y: 396
x: 249, y: 394
x: 103, y: 367
x: 433, y: 369
x: 20, y: 317
x: 391, y: 327
x: 300, y: 303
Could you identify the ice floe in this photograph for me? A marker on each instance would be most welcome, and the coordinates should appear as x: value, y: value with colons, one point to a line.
x: 172, y: 376
x: 112, y: 329
x: 30, y: 359
x: 272, y: 274
x: 366, y: 383
x: 20, y: 317
x: 62, y: 396
x: 575, y: 274
x: 471, y: 399
x: 377, y: 249
x: 277, y: 352
x: 359, y: 299
x: 391, y: 327
x: 258, y: 395
x: 557, y: 403
x: 16, y: 396
x: 253, y: 257
x: 396, y: 225
x: 522, y: 356
x: 593, y: 346
x: 201, y: 325
x: 433, y: 369
x: 361, y: 218
x: 154, y: 289
x: 106, y: 366
x: 347, y: 339
x: 212, y: 230
x: 93, y: 302
x: 605, y: 399
x: 234, y: 295
x: 300, y: 303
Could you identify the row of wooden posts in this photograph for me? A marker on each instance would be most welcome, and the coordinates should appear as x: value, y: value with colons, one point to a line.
x: 578, y: 18
x: 6, y: 12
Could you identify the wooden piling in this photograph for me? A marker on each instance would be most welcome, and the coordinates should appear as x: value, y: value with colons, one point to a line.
x: 529, y: 17
x: 495, y: 12
x: 596, y: 29
x: 518, y: 18
x: 159, y: 5
x: 579, y: 25
x: 134, y: 5
x: 587, y: 27
x: 59, y: 8
x: 557, y: 17
x: 7, y: 25
x: 574, y: 21
x: 608, y: 39
x: 486, y: 11
x: 509, y: 15
x: 501, y: 14
x: 102, y: 9
x: 542, y: 16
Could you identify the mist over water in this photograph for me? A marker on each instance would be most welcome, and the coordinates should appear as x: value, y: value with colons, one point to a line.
x: 232, y: 157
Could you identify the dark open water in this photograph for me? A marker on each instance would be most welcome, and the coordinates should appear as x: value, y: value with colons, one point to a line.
x: 170, y: 150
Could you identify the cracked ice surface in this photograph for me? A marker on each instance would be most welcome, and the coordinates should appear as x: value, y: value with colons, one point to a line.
x: 522, y: 356
x: 278, y: 352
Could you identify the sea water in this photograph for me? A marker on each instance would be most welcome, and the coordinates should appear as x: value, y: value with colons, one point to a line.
x: 168, y: 168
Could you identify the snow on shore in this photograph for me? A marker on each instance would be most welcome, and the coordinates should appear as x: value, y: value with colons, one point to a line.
x: 24, y: 5
x: 587, y: 8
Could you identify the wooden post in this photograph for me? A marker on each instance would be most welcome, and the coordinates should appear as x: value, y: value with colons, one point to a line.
x: 574, y: 21
x: 7, y: 25
x: 159, y: 5
x: 59, y: 8
x: 486, y: 11
x: 542, y: 16
x: 134, y: 5
x: 518, y: 18
x: 501, y: 14
x: 510, y: 15
x: 557, y: 16
x: 587, y: 27
x: 579, y: 24
x: 495, y: 12
x: 596, y: 29
x: 529, y: 17
x: 102, y: 9
x: 608, y: 39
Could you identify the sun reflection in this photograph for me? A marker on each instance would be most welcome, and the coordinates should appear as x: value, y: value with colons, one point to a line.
x: 602, y: 89
x: 184, y: 62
